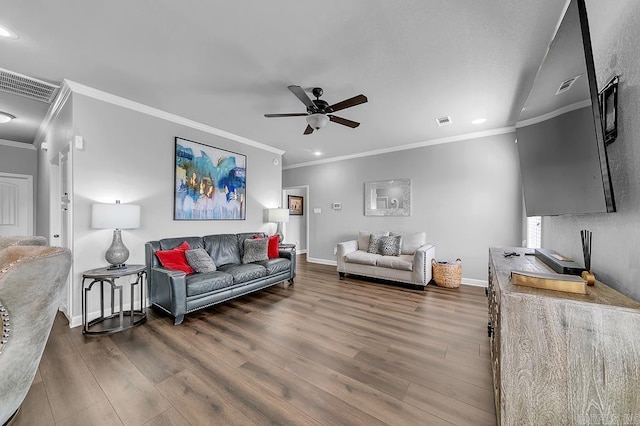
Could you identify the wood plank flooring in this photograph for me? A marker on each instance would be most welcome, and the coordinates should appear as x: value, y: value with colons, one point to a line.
x: 320, y: 352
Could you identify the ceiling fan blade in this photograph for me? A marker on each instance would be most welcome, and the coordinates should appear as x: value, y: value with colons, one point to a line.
x: 348, y: 103
x: 344, y: 121
x: 293, y: 114
x: 308, y: 130
x: 302, y: 95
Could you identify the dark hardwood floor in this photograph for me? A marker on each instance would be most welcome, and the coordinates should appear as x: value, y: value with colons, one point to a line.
x: 322, y: 351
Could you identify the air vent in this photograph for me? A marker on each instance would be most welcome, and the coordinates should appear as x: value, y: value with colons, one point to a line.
x: 18, y: 84
x: 566, y: 85
x: 443, y: 121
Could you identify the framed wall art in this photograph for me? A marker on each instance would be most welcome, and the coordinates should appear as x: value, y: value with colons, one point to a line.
x: 209, y: 184
x: 608, y: 98
x: 296, y: 207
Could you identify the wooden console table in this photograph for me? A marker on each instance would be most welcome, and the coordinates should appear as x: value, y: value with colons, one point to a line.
x: 561, y: 358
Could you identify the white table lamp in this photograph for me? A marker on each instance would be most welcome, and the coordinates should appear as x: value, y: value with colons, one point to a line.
x: 278, y: 216
x: 116, y: 216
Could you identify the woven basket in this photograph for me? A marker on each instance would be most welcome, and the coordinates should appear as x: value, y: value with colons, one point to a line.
x: 448, y: 274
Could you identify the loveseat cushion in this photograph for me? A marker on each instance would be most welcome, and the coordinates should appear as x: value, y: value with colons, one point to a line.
x: 207, y: 282
x: 243, y: 273
x: 362, y: 257
x: 223, y: 248
x: 274, y: 266
x: 403, y: 262
x: 412, y: 241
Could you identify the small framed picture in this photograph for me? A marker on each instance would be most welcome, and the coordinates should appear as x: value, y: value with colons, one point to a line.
x: 608, y: 98
x: 296, y: 205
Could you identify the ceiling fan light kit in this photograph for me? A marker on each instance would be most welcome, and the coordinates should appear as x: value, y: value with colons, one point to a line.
x: 317, y: 121
x: 319, y: 111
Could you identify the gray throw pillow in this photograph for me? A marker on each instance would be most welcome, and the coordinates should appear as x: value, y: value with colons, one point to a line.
x: 390, y: 246
x: 374, y: 243
x: 199, y: 260
x: 255, y: 250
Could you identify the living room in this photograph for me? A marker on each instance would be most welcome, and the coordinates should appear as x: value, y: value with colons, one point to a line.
x: 466, y: 192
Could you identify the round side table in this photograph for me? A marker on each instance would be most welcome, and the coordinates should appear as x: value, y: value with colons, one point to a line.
x: 115, y: 321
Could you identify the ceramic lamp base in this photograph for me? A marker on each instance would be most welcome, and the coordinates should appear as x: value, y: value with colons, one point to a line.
x: 117, y: 254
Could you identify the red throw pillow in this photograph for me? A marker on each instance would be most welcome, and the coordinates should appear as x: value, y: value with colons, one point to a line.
x: 273, y: 248
x: 175, y: 259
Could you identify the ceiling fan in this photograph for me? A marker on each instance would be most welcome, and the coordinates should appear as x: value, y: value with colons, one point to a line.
x: 319, y: 112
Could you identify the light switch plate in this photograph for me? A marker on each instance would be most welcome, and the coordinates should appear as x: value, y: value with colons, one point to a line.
x: 317, y: 210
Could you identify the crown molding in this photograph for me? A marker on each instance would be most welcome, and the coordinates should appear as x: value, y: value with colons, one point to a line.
x: 15, y: 144
x: 475, y: 135
x: 163, y: 115
x: 52, y: 113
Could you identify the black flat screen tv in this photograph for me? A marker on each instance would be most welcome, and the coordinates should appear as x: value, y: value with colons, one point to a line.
x: 563, y: 157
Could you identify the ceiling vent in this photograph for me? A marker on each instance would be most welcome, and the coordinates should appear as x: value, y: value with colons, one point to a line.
x: 18, y: 84
x: 566, y: 85
x: 443, y: 121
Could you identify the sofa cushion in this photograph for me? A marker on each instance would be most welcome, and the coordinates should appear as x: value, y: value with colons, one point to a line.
x: 403, y: 262
x: 255, y: 250
x: 363, y: 239
x: 243, y: 273
x: 274, y: 266
x: 175, y: 258
x: 362, y: 257
x: 390, y: 246
x: 207, y: 282
x: 412, y: 241
x: 171, y: 243
x: 200, y: 260
x: 223, y: 248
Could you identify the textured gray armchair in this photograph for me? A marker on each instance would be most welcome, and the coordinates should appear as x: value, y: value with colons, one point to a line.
x: 32, y: 280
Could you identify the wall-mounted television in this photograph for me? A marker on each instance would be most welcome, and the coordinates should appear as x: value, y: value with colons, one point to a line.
x: 563, y: 157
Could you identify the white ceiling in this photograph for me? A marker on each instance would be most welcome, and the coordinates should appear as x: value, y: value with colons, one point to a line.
x: 227, y: 63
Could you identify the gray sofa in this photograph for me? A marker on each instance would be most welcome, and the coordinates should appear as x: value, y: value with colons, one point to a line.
x: 177, y: 293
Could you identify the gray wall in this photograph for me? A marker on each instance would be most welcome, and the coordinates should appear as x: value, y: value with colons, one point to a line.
x: 465, y: 195
x: 616, y: 236
x: 129, y: 156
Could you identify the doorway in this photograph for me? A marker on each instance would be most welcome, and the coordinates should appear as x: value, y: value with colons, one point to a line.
x: 297, y: 229
x: 16, y: 205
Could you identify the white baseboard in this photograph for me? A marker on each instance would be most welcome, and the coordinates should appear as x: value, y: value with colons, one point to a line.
x: 322, y: 261
x: 477, y: 283
x: 303, y: 251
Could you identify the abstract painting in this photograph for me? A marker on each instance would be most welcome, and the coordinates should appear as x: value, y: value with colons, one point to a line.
x: 210, y: 183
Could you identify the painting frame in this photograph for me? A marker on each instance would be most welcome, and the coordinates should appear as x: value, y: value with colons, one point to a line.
x: 295, y: 204
x: 209, y: 182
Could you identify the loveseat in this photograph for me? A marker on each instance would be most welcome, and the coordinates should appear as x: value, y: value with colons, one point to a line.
x: 177, y: 292
x: 400, y: 257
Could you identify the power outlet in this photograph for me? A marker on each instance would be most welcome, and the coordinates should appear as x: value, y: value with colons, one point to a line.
x: 335, y: 250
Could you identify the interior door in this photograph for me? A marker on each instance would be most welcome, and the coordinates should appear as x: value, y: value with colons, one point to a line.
x: 16, y: 205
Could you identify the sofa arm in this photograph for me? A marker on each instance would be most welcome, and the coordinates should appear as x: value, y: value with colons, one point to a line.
x: 344, y: 249
x: 422, y: 263
x: 168, y: 289
x: 291, y: 255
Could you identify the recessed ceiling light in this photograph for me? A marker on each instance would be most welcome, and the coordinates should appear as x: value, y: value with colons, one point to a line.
x: 5, y: 117
x: 479, y: 121
x: 317, y: 153
x: 6, y: 32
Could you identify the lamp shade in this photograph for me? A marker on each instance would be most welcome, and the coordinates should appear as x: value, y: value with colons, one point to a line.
x: 317, y: 121
x: 278, y: 215
x: 115, y: 216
